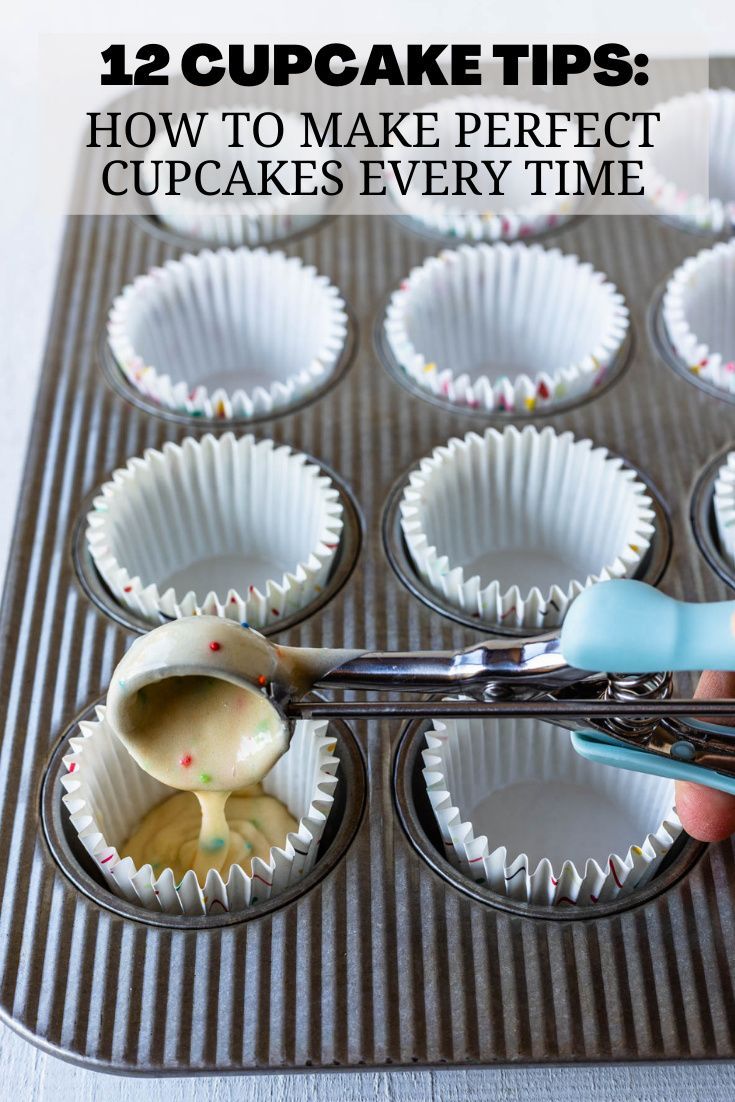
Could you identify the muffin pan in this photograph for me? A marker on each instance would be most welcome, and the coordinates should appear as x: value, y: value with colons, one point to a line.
x: 387, y: 956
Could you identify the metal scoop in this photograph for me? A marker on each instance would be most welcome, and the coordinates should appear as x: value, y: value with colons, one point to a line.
x: 623, y: 626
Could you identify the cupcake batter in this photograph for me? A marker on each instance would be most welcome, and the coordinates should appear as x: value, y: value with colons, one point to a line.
x: 211, y: 737
x: 168, y: 836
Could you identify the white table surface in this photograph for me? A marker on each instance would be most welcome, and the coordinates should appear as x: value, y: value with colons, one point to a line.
x: 29, y: 248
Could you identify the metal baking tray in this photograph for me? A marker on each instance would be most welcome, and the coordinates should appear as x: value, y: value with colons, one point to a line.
x: 385, y: 957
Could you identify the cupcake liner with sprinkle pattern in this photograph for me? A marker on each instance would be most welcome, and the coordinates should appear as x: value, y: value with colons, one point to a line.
x: 221, y: 526
x: 249, y: 220
x: 236, y: 333
x: 107, y: 794
x: 698, y: 311
x: 516, y: 214
x: 506, y: 327
x: 694, y: 144
x: 510, y: 527
x: 519, y: 810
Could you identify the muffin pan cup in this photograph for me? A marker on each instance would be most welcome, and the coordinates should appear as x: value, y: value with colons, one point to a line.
x: 518, y: 215
x: 510, y: 527
x: 519, y: 810
x: 704, y: 520
x: 345, y: 558
x: 662, y: 345
x: 198, y: 529
x: 228, y: 335
x: 257, y: 221
x: 651, y: 568
x: 506, y: 327
x: 108, y: 795
x: 419, y: 819
x: 697, y: 313
x: 701, y: 124
x: 723, y: 502
x: 388, y: 956
x: 74, y: 859
x: 530, y: 411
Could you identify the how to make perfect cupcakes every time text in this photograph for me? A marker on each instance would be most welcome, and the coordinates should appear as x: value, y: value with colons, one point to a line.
x: 261, y: 134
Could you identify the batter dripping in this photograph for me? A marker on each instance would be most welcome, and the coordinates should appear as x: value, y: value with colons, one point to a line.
x: 168, y: 836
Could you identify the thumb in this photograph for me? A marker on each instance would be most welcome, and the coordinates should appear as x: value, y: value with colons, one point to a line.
x: 706, y: 813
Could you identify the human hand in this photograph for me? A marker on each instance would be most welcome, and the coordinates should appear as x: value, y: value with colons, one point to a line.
x: 706, y: 813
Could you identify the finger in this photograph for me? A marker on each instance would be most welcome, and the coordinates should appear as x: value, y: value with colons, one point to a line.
x: 706, y: 813
x: 717, y: 685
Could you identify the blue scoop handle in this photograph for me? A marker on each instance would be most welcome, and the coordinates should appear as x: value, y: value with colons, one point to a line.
x: 629, y: 627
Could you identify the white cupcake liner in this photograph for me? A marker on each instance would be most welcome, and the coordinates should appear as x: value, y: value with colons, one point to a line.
x: 233, y: 333
x: 515, y: 214
x: 696, y: 130
x: 506, y: 327
x: 222, y: 526
x: 107, y: 795
x: 724, y: 506
x: 519, y: 809
x: 698, y: 311
x: 251, y: 220
x: 510, y: 527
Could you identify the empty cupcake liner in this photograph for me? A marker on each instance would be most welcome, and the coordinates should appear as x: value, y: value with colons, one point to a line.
x: 233, y: 333
x: 510, y: 527
x: 518, y: 809
x: 225, y: 220
x: 724, y: 507
x: 107, y: 794
x: 506, y: 327
x: 698, y: 311
x: 222, y: 526
x: 515, y: 214
x: 694, y: 138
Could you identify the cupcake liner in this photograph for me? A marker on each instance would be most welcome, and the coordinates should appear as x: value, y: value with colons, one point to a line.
x: 221, y: 526
x: 517, y: 213
x: 695, y: 129
x: 724, y: 506
x: 107, y: 794
x: 698, y: 311
x: 224, y: 220
x: 519, y: 809
x: 233, y: 333
x: 506, y: 327
x: 510, y: 527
